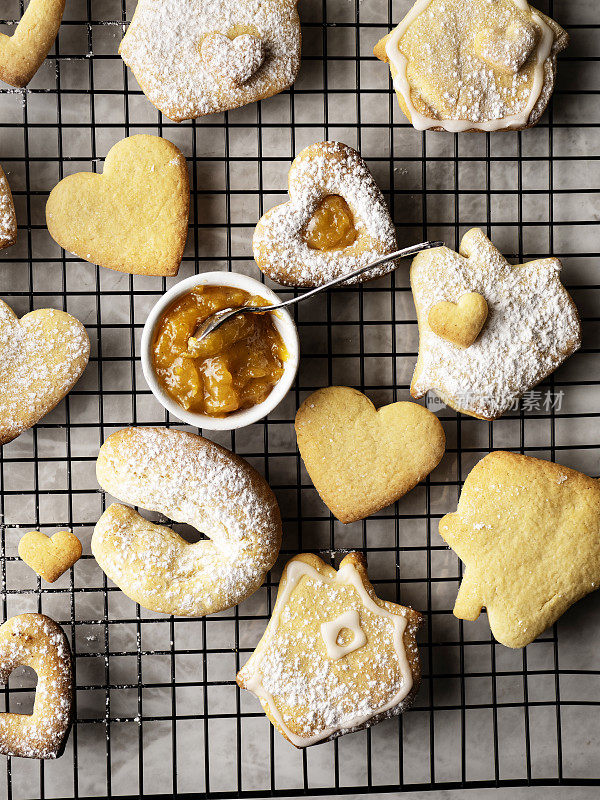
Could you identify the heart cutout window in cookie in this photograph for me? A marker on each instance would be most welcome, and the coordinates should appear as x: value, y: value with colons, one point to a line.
x: 22, y: 54
x: 235, y: 59
x: 459, y: 323
x: 331, y: 227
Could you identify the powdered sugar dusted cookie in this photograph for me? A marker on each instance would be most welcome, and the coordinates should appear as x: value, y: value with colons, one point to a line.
x: 196, y: 57
x: 8, y: 218
x: 22, y: 54
x: 42, y: 356
x: 530, y: 328
x: 484, y: 65
x: 527, y: 532
x: 335, y: 222
x: 334, y: 658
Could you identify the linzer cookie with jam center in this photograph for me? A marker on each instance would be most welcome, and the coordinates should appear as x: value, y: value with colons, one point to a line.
x: 473, y: 65
x: 335, y: 222
x: 335, y: 658
x: 197, y: 57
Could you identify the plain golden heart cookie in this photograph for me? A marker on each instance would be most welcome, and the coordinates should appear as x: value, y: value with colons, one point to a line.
x: 50, y: 556
x: 8, y: 219
x: 42, y: 356
x: 36, y: 641
x: 459, y: 323
x: 132, y: 218
x: 235, y: 60
x: 22, y: 54
x: 361, y: 459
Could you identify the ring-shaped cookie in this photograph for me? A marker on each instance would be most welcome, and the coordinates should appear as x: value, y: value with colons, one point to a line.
x: 191, y: 480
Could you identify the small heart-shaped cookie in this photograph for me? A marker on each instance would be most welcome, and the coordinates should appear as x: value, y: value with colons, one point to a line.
x: 36, y: 641
x: 361, y: 459
x: 509, y: 48
x: 22, y: 54
x: 132, y: 218
x: 42, y: 357
x: 236, y: 60
x: 50, y: 556
x: 8, y: 219
x: 459, y: 323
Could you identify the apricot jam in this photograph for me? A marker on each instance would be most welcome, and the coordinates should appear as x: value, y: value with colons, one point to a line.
x: 331, y: 227
x: 233, y: 368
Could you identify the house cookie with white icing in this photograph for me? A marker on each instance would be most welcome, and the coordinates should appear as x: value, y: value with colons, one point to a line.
x: 473, y: 65
x: 335, y: 221
x: 335, y: 658
x: 488, y: 331
x: 197, y: 57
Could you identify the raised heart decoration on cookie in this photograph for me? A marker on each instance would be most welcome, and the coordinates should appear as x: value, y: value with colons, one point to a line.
x: 42, y: 356
x: 234, y: 59
x: 134, y: 216
x: 459, y: 323
x: 361, y: 459
x: 50, y: 556
x: 22, y: 54
x: 508, y: 48
x: 8, y: 219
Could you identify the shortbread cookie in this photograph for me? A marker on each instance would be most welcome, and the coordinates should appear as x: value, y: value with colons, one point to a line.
x: 132, y: 218
x: 8, y: 218
x: 42, y: 356
x: 335, y: 222
x: 187, y: 479
x: 530, y: 328
x: 36, y: 641
x: 334, y: 658
x: 50, y: 556
x: 361, y: 459
x: 196, y: 57
x: 473, y: 65
x: 22, y: 54
x: 527, y: 532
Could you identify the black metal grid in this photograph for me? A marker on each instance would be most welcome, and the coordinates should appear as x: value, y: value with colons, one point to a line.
x: 485, y: 716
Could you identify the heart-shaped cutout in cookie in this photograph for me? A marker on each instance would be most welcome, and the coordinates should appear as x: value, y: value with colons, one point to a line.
x: 361, y: 459
x: 235, y: 60
x: 42, y: 356
x: 459, y: 323
x: 36, y: 641
x: 22, y: 54
x: 507, y: 49
x: 134, y: 216
x: 50, y: 556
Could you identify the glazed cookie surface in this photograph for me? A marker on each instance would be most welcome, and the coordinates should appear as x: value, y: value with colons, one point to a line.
x: 42, y: 356
x: 335, y: 222
x: 530, y: 326
x: 527, y: 532
x: 467, y: 65
x: 22, y: 54
x: 8, y: 218
x: 134, y: 216
x: 361, y: 459
x: 36, y: 641
x: 197, y: 57
x: 192, y: 480
x: 334, y: 658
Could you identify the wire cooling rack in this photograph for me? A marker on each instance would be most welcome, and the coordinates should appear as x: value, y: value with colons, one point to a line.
x: 157, y: 709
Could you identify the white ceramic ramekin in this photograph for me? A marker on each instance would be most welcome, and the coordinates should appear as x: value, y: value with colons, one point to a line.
x: 283, y: 322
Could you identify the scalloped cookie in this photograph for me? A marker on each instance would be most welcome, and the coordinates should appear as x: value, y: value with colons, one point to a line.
x: 335, y: 658
x: 473, y: 65
x: 22, y: 54
x: 8, y: 218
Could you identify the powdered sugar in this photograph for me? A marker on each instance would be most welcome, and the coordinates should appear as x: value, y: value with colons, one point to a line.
x: 8, y: 219
x: 163, y: 43
x: 531, y: 328
x: 325, y: 168
x: 234, y: 60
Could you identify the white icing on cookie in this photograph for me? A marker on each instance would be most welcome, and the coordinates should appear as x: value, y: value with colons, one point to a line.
x: 330, y: 632
x: 477, y: 79
x: 532, y: 326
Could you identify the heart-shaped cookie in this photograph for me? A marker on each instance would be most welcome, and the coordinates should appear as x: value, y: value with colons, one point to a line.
x: 459, y: 323
x: 42, y: 357
x: 507, y: 49
x: 361, y: 459
x: 50, y: 556
x: 134, y: 216
x: 36, y: 641
x: 8, y: 219
x: 22, y: 54
x: 236, y: 60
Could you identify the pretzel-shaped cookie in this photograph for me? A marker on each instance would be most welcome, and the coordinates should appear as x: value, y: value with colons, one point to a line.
x: 36, y: 641
x: 192, y: 480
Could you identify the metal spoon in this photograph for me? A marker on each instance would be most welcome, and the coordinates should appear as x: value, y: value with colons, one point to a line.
x: 219, y: 318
